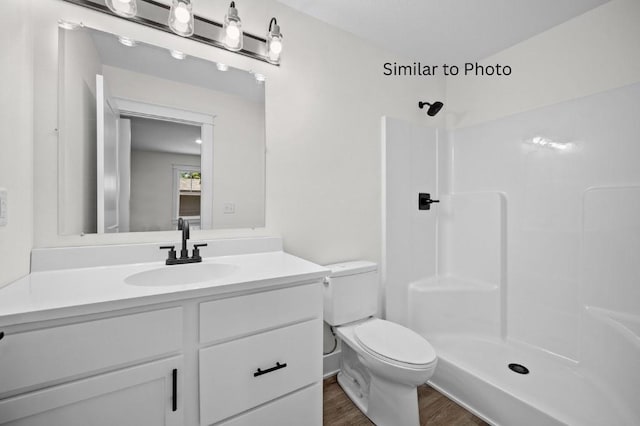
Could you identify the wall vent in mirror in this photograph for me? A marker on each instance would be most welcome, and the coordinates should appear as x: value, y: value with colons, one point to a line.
x: 180, y: 19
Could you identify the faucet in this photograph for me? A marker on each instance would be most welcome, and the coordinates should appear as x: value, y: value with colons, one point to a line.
x: 183, y: 225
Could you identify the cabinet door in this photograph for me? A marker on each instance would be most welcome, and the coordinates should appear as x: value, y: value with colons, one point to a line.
x: 147, y: 394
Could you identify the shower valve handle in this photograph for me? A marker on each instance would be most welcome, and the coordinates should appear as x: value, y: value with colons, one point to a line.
x: 425, y: 201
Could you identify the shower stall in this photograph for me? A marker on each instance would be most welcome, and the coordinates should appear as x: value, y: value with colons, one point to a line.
x: 532, y: 257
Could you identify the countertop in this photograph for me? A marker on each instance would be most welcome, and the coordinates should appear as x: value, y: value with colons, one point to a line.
x: 62, y: 293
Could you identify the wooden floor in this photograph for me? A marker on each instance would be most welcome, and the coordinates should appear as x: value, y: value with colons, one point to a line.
x: 435, y: 408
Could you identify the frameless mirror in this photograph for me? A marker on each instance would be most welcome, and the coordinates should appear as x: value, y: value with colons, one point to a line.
x: 147, y: 136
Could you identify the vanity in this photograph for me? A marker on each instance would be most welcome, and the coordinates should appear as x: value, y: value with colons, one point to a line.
x: 112, y: 334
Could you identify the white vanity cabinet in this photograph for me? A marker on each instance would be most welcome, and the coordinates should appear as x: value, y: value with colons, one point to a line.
x: 122, y: 370
x: 259, y: 349
x: 249, y: 358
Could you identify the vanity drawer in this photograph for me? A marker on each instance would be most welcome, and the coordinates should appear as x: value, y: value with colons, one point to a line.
x: 303, y: 407
x: 38, y: 357
x: 230, y: 382
x: 238, y: 316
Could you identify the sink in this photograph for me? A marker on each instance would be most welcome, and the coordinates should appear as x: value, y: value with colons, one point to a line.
x: 181, y: 274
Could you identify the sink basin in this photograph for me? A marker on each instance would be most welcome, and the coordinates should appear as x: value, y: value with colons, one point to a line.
x: 181, y: 274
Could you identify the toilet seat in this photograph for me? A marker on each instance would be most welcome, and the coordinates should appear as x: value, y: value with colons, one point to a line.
x: 394, y: 343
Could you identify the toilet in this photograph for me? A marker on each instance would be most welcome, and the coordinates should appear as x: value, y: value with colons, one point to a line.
x: 382, y: 362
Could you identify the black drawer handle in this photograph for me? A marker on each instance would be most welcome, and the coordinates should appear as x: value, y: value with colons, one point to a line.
x: 278, y: 366
x: 174, y: 397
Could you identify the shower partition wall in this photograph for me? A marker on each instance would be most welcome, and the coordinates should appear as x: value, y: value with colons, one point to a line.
x: 537, y: 261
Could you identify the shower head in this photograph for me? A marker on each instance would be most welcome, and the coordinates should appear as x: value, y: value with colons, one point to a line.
x: 434, y: 108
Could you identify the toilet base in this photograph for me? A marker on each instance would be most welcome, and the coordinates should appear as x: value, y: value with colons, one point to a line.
x: 383, y: 401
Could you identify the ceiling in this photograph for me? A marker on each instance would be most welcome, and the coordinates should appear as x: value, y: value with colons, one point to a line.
x: 164, y: 136
x: 444, y: 31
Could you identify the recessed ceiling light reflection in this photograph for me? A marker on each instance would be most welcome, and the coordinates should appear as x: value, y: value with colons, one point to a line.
x: 126, y: 41
x: 260, y: 78
x: 178, y: 54
x: 221, y: 66
x: 66, y: 25
x: 199, y: 141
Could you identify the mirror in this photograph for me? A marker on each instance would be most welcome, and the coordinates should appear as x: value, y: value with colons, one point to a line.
x: 146, y: 137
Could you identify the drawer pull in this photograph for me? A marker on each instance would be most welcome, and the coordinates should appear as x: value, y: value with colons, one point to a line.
x: 174, y: 398
x: 278, y: 366
x: 1, y: 335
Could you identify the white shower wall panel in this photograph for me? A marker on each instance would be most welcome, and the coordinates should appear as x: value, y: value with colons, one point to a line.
x: 543, y: 161
x: 410, y: 162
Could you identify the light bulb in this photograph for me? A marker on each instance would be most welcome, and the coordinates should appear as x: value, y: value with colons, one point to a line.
x: 233, y: 32
x: 182, y: 13
x: 276, y: 47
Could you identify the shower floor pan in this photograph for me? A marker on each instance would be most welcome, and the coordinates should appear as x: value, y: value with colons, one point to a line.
x: 474, y: 372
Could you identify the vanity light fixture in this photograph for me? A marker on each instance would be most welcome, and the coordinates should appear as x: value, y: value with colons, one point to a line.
x: 67, y: 25
x: 274, y: 42
x: 221, y: 66
x: 126, y: 41
x: 177, y: 54
x: 181, y: 18
x: 126, y: 8
x: 232, y: 29
x: 177, y: 17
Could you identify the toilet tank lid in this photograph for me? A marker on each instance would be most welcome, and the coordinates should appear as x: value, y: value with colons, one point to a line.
x: 350, y: 268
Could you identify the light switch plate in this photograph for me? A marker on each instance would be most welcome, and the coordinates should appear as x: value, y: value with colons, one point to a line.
x: 4, y: 207
x: 229, y: 208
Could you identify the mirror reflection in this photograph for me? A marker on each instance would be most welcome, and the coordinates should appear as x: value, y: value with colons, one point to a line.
x: 147, y: 138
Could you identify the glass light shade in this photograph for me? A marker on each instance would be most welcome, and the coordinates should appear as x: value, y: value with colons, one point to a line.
x: 181, y: 18
x: 274, y: 42
x: 126, y: 8
x: 232, y: 29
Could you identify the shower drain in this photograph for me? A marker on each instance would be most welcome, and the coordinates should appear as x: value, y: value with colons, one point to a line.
x: 518, y: 368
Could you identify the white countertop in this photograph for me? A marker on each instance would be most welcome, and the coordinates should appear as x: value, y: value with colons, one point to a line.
x: 61, y: 293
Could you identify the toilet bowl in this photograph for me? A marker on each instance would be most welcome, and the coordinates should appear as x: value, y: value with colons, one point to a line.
x: 382, y: 362
x: 390, y: 362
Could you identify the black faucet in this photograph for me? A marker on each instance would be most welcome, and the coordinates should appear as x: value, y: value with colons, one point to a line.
x: 183, y: 225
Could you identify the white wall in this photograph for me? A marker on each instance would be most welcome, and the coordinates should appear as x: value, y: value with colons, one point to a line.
x: 80, y: 60
x: 16, y: 140
x: 570, y: 84
x: 152, y: 188
x: 323, y: 110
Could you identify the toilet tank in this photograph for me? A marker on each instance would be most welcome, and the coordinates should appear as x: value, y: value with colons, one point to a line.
x: 350, y: 292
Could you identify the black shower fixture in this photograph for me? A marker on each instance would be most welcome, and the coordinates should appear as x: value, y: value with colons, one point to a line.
x: 434, y: 108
